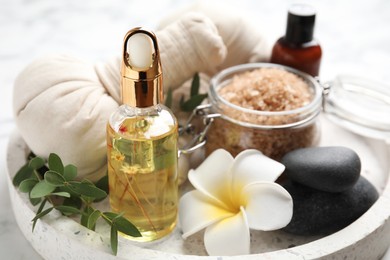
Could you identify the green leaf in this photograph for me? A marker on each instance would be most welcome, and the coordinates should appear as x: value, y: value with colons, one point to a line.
x: 41, y: 189
x: 24, y: 173
x: 88, y: 190
x: 84, y: 217
x: 40, y: 215
x: 36, y: 163
x: 62, y: 194
x: 68, y: 210
x: 41, y: 206
x: 88, y: 182
x: 54, y: 178
x: 35, y: 201
x: 111, y: 215
x: 27, y: 185
x: 126, y: 227
x: 169, y: 98
x: 39, y: 211
x: 195, y: 85
x: 87, y: 200
x: 193, y: 102
x: 36, y: 176
x: 93, y: 217
x: 114, y: 239
x: 70, y: 172
x: 55, y: 163
x: 73, y: 194
x: 122, y: 224
x: 103, y: 183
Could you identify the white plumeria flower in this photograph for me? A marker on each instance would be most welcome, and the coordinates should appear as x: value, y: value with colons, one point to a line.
x: 231, y: 197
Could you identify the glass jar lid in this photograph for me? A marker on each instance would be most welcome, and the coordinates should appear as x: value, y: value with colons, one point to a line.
x: 359, y: 105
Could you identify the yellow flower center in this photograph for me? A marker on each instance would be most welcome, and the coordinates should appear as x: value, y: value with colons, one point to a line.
x: 117, y: 156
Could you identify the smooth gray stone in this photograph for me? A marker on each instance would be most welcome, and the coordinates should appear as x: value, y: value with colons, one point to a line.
x: 331, y: 169
x: 322, y: 213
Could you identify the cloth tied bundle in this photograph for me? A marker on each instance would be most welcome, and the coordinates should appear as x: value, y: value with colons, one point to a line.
x: 62, y: 104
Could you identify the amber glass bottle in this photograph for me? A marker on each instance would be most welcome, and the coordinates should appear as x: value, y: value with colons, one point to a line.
x: 298, y: 49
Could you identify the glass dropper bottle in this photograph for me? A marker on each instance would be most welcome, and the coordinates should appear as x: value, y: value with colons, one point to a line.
x: 142, y: 143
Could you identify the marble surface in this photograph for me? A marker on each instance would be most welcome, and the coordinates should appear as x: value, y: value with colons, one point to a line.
x: 354, y: 36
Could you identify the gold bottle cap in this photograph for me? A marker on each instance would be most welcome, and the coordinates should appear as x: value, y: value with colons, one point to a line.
x: 141, y: 73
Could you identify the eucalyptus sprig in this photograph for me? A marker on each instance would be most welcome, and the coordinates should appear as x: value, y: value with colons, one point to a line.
x: 55, y: 183
x: 194, y: 100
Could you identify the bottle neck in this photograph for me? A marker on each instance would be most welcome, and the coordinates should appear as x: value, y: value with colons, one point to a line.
x: 298, y: 45
x: 300, y: 25
x: 141, y: 93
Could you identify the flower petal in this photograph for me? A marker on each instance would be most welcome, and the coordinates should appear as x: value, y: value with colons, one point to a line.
x: 268, y: 205
x: 252, y: 166
x: 229, y: 236
x: 197, y: 211
x: 213, y: 178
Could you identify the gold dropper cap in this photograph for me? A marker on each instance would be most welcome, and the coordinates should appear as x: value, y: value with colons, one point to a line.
x: 141, y: 72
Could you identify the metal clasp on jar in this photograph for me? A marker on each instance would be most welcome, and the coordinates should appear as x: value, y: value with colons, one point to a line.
x: 326, y: 87
x: 199, y: 139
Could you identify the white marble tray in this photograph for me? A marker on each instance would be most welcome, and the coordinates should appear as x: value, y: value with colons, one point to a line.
x: 59, y: 237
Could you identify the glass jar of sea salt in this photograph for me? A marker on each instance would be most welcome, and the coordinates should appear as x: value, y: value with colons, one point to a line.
x: 275, y: 109
x: 268, y: 107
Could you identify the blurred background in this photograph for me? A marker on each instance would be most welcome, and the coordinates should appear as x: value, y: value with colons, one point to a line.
x: 354, y: 36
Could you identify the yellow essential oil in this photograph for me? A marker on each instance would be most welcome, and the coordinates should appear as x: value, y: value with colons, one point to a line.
x: 142, y: 143
x: 142, y: 171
